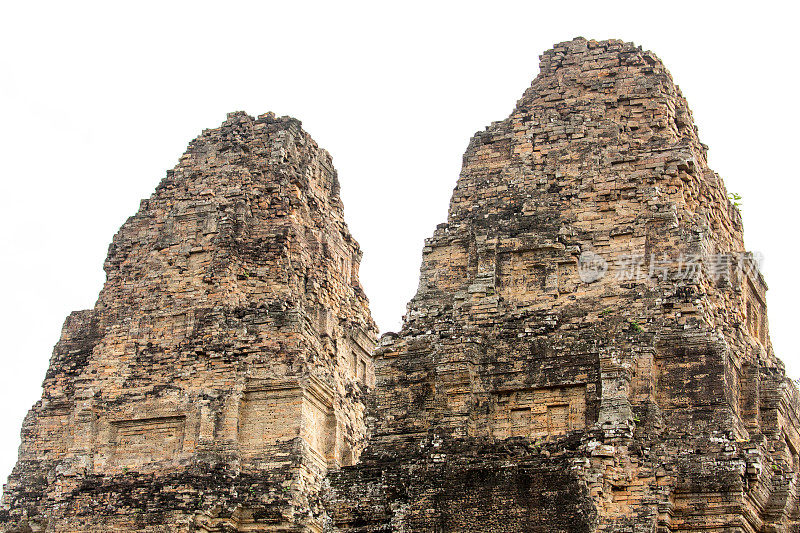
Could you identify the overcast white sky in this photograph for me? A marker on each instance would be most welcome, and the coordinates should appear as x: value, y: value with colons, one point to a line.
x: 98, y: 100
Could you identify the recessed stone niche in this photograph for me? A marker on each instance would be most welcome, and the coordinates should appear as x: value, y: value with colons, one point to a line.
x: 539, y: 412
x: 146, y: 440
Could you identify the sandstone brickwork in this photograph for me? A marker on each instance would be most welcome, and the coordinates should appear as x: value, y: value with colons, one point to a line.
x: 223, y: 371
x: 588, y: 349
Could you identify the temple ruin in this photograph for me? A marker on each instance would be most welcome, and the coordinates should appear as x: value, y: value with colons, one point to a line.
x: 588, y: 350
x: 225, y: 366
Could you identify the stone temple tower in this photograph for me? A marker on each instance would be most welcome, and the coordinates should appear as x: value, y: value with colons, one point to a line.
x: 588, y: 349
x: 223, y: 371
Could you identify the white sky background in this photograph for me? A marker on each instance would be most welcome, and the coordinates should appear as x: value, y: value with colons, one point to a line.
x: 98, y: 100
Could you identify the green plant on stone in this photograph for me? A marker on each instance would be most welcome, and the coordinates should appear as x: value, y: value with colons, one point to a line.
x: 735, y: 198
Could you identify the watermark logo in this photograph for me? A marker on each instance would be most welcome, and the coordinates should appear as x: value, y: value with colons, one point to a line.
x: 630, y: 267
x: 591, y: 267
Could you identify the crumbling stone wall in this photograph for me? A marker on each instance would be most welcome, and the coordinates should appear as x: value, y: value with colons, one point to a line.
x: 224, y: 368
x: 588, y: 349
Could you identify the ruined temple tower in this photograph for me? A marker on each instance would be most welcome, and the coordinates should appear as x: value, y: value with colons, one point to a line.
x: 587, y: 352
x: 223, y: 371
x: 588, y: 348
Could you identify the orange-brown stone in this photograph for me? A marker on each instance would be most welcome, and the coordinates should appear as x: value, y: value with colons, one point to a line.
x: 224, y: 368
x: 588, y: 347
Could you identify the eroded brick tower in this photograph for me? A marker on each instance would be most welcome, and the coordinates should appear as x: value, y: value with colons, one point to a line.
x: 224, y: 367
x: 588, y: 347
